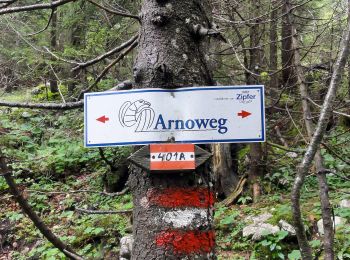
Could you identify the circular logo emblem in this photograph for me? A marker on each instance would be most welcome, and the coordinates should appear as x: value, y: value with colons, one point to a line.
x: 138, y: 113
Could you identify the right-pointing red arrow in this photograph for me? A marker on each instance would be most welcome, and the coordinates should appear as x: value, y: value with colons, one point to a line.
x: 244, y: 114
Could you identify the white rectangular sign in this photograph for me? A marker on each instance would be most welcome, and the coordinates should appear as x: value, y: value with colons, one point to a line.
x: 230, y: 114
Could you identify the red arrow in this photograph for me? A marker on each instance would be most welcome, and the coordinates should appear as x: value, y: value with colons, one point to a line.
x: 244, y: 114
x: 103, y: 119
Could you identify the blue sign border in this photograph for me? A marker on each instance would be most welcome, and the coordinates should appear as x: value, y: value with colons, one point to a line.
x: 124, y: 92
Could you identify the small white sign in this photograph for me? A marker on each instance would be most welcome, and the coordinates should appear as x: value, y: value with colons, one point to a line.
x: 231, y: 114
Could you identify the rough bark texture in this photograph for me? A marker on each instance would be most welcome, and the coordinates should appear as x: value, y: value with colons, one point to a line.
x: 224, y: 168
x: 273, y: 84
x: 288, y: 73
x: 53, y: 45
x: 256, y: 152
x: 171, y: 55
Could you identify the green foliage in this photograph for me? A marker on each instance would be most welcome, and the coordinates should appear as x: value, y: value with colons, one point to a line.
x: 281, y: 212
x: 46, y: 143
x: 294, y: 255
x: 244, y: 199
x: 272, y: 246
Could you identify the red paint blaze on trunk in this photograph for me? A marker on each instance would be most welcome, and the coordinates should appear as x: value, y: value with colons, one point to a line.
x: 181, y: 197
x: 187, y: 242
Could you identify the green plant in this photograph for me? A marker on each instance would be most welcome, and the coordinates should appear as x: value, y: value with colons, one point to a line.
x: 294, y: 255
x: 271, y: 247
x: 244, y: 200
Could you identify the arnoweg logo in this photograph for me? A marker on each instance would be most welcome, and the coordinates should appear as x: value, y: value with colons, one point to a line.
x: 138, y: 113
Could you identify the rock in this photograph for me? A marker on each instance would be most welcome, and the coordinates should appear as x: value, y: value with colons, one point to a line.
x: 344, y: 204
x: 292, y: 155
x: 337, y: 221
x: 284, y: 225
x: 126, y: 247
x: 260, y: 218
x: 258, y: 230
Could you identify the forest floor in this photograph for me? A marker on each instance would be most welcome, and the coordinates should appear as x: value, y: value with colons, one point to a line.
x: 51, y: 165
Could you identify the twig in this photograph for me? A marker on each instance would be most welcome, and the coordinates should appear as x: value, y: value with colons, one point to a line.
x: 45, y: 28
x: 104, y: 72
x: 335, y: 154
x: 103, y: 212
x: 114, y: 194
x: 278, y: 132
x: 340, y: 176
x: 114, y: 11
x: 295, y: 125
x: 333, y: 111
x: 60, y: 58
x: 105, y: 55
x: 287, y: 149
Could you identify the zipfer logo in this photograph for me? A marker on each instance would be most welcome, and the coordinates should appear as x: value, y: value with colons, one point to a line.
x: 140, y: 115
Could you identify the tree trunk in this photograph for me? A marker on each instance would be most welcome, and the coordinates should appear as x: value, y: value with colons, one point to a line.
x: 313, y: 150
x: 77, y: 42
x: 53, y: 45
x: 225, y: 169
x: 273, y: 84
x: 172, y: 55
x: 256, y: 152
x: 288, y: 73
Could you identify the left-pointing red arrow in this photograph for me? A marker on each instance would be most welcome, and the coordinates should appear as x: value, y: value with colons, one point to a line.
x: 103, y: 119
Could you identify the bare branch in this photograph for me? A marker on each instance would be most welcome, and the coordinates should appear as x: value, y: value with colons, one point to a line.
x: 105, y: 55
x: 114, y: 194
x: 49, y: 106
x: 103, y: 212
x: 114, y: 11
x: 47, y: 25
x: 104, y: 72
x: 27, y: 8
x: 317, y: 105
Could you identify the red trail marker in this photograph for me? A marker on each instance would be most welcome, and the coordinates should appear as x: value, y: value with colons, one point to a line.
x: 187, y: 242
x: 244, y: 114
x: 181, y: 197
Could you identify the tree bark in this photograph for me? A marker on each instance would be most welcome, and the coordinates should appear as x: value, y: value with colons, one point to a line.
x: 288, y: 72
x: 255, y: 63
x: 224, y: 168
x: 273, y: 84
x: 53, y: 45
x: 171, y: 55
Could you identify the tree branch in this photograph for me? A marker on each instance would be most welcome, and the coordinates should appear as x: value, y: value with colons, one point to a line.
x: 106, y: 69
x: 317, y: 105
x: 47, y: 25
x: 27, y: 8
x: 114, y: 194
x: 26, y: 208
x: 105, y: 55
x: 114, y: 11
x: 103, y: 212
x: 48, y: 106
